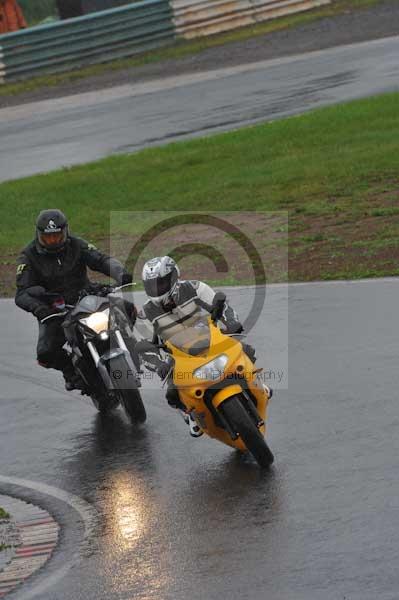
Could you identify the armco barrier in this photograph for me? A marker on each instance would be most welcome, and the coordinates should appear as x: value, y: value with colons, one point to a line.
x: 124, y: 31
x: 195, y: 18
x: 94, y: 38
x: 2, y: 68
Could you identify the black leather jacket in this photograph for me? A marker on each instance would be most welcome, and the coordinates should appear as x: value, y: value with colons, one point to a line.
x: 65, y: 272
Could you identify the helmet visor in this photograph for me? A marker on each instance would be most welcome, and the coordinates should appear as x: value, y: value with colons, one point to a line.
x: 158, y: 286
x: 53, y: 240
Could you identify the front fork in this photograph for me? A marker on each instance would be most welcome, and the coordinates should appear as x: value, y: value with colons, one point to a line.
x: 103, y: 363
x: 223, y: 396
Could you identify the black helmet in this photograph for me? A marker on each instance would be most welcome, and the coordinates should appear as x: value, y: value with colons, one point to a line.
x: 51, y: 230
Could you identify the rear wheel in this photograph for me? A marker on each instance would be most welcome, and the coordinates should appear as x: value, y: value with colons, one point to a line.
x: 129, y: 395
x: 241, y: 422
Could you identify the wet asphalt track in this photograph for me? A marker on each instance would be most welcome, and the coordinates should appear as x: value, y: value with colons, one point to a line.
x: 51, y: 134
x: 181, y: 518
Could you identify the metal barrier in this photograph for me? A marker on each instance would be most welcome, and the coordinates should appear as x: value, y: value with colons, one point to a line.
x: 95, y: 38
x: 122, y: 32
x: 196, y: 18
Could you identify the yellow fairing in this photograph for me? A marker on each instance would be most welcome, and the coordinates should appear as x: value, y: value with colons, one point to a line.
x: 239, y: 370
x: 225, y: 393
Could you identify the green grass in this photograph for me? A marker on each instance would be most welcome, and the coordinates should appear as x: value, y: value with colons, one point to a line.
x: 183, y: 48
x: 4, y: 514
x: 323, y: 163
x: 334, y: 170
x: 384, y: 211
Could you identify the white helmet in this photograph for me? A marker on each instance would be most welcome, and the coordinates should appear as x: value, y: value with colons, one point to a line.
x: 160, y: 277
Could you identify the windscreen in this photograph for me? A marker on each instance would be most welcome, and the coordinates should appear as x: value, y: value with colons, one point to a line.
x: 90, y: 304
x: 192, y: 337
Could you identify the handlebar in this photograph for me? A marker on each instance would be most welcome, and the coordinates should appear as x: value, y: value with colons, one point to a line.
x: 55, y: 315
x: 99, y: 289
x: 40, y: 292
x: 120, y: 287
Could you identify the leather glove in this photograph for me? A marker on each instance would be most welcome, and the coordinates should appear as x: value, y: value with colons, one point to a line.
x: 163, y: 370
x: 126, y: 278
x: 218, y: 306
x: 44, y: 311
x: 154, y: 363
x: 234, y: 327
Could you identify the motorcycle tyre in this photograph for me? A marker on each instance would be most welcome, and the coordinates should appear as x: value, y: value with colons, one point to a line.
x: 236, y: 414
x: 130, y: 397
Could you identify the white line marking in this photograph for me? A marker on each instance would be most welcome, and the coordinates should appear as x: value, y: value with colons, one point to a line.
x: 85, y: 510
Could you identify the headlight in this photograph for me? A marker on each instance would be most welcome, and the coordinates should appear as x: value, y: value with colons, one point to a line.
x: 212, y: 370
x: 98, y: 321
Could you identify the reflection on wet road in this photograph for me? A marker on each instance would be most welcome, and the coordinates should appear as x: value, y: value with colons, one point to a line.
x: 181, y: 518
x: 171, y: 515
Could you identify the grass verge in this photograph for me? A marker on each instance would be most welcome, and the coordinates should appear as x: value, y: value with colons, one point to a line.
x: 183, y: 48
x: 4, y: 514
x: 333, y: 170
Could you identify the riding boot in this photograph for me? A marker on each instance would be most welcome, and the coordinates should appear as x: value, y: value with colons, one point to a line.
x: 73, y: 380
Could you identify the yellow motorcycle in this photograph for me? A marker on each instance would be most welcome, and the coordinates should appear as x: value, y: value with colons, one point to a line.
x: 219, y: 385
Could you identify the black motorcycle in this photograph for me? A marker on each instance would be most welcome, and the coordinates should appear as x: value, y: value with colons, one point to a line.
x: 100, y: 339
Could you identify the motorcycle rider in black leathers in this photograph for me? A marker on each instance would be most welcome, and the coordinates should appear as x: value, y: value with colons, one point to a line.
x: 58, y: 262
x: 173, y: 301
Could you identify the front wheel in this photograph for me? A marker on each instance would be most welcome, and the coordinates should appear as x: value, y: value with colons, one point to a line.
x: 129, y: 395
x: 241, y: 423
x: 105, y: 403
x: 133, y: 405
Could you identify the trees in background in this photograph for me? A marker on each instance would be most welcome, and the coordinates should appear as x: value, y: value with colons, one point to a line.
x: 68, y: 9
